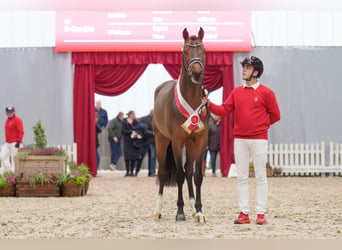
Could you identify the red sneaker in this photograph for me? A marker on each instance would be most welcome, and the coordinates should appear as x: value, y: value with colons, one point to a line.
x: 261, y: 220
x: 242, y: 219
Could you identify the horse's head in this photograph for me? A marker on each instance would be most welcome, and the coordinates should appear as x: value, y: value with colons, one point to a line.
x: 194, y: 55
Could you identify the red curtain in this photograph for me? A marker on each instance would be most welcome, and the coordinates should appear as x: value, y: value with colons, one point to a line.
x: 112, y: 73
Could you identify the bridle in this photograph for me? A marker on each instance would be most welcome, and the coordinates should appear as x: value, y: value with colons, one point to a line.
x: 193, y: 60
x: 188, y: 67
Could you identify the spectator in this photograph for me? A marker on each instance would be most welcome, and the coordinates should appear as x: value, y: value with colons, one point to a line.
x: 141, y: 143
x: 14, y: 132
x: 114, y: 138
x: 149, y: 146
x: 103, y: 117
x: 131, y: 148
x: 98, y: 131
x: 214, y: 141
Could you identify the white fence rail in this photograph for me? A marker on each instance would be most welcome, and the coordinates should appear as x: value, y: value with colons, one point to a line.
x: 306, y: 159
x: 71, y: 151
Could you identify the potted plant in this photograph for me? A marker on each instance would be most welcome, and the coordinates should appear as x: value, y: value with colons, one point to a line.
x: 7, y: 184
x: 84, y: 171
x: 37, y: 185
x: 38, y: 157
x: 72, y: 184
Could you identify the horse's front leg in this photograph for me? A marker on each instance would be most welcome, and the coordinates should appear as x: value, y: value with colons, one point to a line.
x: 198, y: 179
x: 180, y: 175
x: 189, y: 171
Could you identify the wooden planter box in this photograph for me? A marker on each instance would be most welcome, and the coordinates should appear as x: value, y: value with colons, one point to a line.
x: 72, y: 189
x: 47, y: 164
x: 7, y: 192
x: 268, y: 172
x: 24, y: 189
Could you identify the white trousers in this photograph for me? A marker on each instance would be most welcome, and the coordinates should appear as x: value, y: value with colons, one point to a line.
x: 244, y: 150
x: 8, y: 150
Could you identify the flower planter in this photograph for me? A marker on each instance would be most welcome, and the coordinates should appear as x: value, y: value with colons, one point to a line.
x: 47, y: 164
x: 72, y: 189
x: 268, y: 171
x: 7, y: 192
x: 251, y: 172
x: 25, y: 189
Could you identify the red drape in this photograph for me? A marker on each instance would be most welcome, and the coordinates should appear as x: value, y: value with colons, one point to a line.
x: 112, y: 73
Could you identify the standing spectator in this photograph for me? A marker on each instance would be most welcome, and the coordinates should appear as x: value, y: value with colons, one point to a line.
x: 150, y: 145
x: 214, y: 141
x: 255, y: 109
x: 131, y: 148
x: 114, y: 138
x: 103, y: 117
x: 98, y: 130
x: 102, y: 122
x: 14, y: 132
x: 141, y: 143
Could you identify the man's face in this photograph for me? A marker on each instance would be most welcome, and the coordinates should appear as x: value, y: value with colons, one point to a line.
x: 247, y: 71
x: 98, y: 105
x: 10, y: 114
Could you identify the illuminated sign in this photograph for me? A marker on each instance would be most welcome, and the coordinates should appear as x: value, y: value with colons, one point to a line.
x: 151, y: 30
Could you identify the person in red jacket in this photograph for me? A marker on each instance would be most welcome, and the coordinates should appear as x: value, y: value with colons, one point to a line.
x: 255, y: 108
x: 14, y: 132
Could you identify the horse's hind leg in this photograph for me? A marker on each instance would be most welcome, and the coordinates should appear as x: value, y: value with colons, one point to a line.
x: 159, y: 203
x: 161, y: 150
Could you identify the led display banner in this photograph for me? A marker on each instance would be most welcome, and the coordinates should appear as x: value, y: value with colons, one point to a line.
x: 151, y: 30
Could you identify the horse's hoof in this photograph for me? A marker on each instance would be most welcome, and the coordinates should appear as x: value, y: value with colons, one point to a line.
x: 180, y: 217
x: 200, y: 218
x: 157, y: 216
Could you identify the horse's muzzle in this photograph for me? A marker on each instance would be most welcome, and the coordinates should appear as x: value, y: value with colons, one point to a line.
x: 197, y: 77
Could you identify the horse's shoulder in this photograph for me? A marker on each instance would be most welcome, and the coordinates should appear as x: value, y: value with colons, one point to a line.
x: 165, y: 87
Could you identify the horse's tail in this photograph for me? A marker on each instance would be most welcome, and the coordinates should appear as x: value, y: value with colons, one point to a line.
x: 171, y: 170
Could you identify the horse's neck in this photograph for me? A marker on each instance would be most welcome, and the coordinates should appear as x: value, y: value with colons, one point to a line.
x: 191, y: 92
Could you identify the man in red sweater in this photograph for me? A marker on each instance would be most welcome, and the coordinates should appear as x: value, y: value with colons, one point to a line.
x: 14, y: 132
x: 255, y: 108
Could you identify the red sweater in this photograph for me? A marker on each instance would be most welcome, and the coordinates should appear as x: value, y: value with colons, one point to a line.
x: 255, y: 111
x: 14, y: 129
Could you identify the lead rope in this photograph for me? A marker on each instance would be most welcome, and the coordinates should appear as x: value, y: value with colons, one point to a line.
x: 205, y: 93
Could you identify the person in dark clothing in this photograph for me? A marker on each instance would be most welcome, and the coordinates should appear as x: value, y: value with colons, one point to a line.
x: 131, y: 150
x: 142, y: 144
x: 98, y: 131
x: 114, y: 138
x: 214, y: 141
x: 149, y: 146
x: 103, y: 116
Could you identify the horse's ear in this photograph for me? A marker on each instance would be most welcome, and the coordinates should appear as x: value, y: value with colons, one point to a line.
x: 185, y: 34
x: 201, y: 33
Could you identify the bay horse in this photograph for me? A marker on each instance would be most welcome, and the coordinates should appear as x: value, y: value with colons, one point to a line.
x: 173, y: 130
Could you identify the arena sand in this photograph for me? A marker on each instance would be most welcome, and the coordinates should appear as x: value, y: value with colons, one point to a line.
x: 121, y: 208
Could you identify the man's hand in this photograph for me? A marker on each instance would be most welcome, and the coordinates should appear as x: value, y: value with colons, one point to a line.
x: 17, y: 144
x: 115, y: 139
x: 205, y: 100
